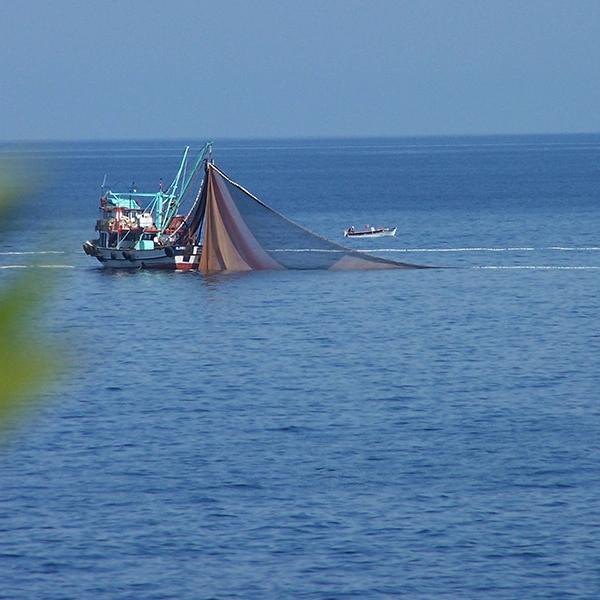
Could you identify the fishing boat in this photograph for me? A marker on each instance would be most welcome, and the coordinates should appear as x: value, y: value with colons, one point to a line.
x: 370, y: 232
x: 145, y: 230
x: 226, y: 229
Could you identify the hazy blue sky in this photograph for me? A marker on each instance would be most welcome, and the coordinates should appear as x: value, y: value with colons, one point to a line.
x: 230, y: 68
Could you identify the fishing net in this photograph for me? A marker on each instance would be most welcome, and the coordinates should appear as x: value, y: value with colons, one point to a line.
x: 241, y: 233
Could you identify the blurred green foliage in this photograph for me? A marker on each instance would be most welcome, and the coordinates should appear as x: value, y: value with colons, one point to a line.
x: 26, y: 362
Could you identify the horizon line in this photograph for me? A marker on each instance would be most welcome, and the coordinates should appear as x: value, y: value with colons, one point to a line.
x: 296, y: 137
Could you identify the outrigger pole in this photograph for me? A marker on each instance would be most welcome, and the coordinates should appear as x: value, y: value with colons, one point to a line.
x: 170, y: 196
x: 174, y: 198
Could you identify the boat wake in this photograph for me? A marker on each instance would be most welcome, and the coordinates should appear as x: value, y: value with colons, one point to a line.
x: 14, y: 253
x: 370, y: 250
x: 37, y: 266
x: 488, y: 249
x: 538, y: 267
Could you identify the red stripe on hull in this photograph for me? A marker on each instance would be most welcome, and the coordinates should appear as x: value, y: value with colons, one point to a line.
x: 181, y: 266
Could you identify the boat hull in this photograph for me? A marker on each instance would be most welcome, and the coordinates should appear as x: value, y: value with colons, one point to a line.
x: 189, y: 259
x: 184, y: 258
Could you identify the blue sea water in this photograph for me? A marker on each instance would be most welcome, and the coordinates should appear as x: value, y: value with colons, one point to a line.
x: 313, y: 435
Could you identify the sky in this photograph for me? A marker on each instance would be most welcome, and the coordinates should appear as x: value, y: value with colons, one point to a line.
x: 185, y: 69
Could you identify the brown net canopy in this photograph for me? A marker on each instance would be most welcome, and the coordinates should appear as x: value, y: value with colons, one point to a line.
x: 241, y: 233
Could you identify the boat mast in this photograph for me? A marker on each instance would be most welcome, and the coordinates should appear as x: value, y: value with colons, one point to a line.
x: 169, y: 197
x: 176, y: 199
x: 207, y: 149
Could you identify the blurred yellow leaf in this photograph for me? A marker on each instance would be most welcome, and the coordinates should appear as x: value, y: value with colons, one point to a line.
x: 26, y: 361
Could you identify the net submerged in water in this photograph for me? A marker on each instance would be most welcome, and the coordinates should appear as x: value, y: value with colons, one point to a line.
x: 241, y: 233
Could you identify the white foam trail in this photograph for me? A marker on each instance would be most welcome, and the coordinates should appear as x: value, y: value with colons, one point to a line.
x: 573, y: 249
x: 371, y: 250
x: 37, y: 266
x: 478, y: 249
x: 463, y: 249
x: 305, y: 250
x: 487, y: 249
x: 539, y: 267
x: 54, y: 266
x: 32, y: 252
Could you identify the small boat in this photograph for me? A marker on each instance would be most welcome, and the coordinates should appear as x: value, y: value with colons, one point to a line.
x: 370, y: 232
x: 144, y: 230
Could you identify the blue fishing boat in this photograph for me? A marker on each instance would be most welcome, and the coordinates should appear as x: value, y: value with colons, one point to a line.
x: 145, y: 230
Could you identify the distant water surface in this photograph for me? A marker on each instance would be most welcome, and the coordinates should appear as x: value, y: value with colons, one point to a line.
x: 418, y: 434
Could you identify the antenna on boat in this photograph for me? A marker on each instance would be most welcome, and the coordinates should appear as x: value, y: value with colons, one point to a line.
x: 103, y: 182
x: 132, y: 189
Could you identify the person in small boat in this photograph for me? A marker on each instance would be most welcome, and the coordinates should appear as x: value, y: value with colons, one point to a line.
x: 351, y: 229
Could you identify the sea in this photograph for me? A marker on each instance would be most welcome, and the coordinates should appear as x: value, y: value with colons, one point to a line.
x: 313, y: 434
